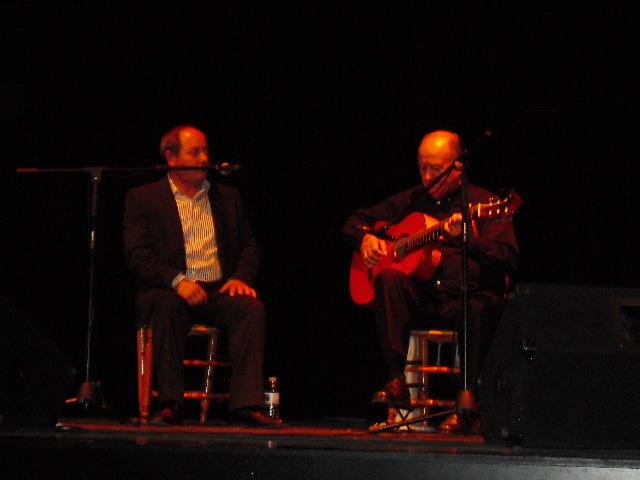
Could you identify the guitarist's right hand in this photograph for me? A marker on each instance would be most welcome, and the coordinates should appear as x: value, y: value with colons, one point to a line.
x: 372, y: 249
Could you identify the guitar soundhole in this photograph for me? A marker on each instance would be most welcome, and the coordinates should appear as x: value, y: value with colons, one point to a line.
x: 399, y: 251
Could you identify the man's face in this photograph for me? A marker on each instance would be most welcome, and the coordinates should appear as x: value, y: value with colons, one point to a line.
x: 434, y: 157
x: 193, y: 153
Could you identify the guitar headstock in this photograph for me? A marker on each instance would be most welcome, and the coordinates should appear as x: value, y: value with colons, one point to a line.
x: 496, y: 206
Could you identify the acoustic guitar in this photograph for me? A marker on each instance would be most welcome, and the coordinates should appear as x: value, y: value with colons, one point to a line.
x: 414, y: 249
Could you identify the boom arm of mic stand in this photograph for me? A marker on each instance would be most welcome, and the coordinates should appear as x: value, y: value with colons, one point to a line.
x: 224, y: 168
x: 381, y: 232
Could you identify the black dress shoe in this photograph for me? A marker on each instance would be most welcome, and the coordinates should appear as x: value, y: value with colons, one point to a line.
x: 395, y: 393
x: 252, y: 417
x: 169, y: 413
x: 451, y: 424
x: 469, y: 424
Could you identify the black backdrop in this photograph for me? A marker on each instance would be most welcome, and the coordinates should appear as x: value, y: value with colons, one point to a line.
x: 324, y: 106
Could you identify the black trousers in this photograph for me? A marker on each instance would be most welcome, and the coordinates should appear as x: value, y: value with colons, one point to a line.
x: 402, y: 304
x: 241, y: 318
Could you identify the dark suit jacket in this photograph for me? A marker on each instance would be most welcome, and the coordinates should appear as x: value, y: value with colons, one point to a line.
x: 154, y: 244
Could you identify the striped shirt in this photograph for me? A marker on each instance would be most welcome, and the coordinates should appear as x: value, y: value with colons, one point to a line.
x: 199, y: 235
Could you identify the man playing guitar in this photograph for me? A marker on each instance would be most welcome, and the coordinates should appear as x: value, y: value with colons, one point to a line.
x: 408, y: 263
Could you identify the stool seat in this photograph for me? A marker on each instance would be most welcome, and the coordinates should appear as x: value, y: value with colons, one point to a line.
x: 436, y: 369
x: 440, y: 336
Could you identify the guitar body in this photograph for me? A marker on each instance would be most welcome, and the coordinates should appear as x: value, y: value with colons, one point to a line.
x: 420, y: 263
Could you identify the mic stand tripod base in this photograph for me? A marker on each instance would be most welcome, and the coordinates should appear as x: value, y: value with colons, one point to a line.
x: 91, y: 401
x: 86, y: 393
x: 466, y: 419
x: 390, y: 426
x: 464, y: 415
x: 466, y: 402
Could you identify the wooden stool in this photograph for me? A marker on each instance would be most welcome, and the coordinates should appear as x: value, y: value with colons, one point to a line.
x: 418, y: 369
x: 209, y: 363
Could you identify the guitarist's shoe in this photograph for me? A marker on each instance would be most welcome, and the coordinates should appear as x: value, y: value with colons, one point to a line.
x: 458, y: 423
x: 451, y: 424
x: 394, y: 393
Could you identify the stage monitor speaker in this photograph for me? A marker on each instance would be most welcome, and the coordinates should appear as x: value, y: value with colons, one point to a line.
x: 563, y: 369
x: 35, y: 377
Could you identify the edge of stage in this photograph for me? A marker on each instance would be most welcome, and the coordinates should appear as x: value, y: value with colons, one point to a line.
x: 333, y: 448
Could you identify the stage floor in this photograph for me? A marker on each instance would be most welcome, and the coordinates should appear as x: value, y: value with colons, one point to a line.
x: 334, y: 448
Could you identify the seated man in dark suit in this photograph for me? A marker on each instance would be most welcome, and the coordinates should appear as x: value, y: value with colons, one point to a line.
x: 196, y: 260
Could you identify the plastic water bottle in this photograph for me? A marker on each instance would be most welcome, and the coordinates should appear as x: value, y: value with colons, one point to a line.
x: 272, y: 399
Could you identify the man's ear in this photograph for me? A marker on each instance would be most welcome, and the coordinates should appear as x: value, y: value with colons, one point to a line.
x: 169, y: 157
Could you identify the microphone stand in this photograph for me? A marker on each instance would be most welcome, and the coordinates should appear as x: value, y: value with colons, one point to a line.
x: 466, y: 402
x: 89, y: 391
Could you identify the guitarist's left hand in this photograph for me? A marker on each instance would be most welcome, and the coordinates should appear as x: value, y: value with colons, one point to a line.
x: 372, y: 249
x: 453, y: 228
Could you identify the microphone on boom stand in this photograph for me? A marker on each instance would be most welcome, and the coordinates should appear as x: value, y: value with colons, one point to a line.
x: 224, y: 168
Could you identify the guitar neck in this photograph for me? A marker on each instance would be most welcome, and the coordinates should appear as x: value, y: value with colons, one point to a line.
x: 429, y: 234
x: 421, y: 238
x: 494, y: 208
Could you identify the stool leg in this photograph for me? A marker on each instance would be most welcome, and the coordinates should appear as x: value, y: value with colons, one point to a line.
x: 212, y: 350
x: 145, y: 372
x: 413, y: 380
x: 423, y: 392
x: 417, y: 356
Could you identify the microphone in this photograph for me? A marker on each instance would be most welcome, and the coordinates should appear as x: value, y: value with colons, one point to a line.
x: 480, y: 141
x: 227, y: 168
x: 223, y: 168
x: 482, y: 138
